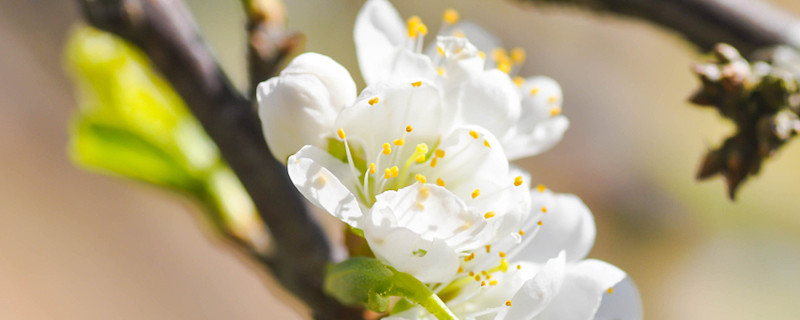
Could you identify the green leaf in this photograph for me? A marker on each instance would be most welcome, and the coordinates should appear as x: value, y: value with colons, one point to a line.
x: 369, y: 282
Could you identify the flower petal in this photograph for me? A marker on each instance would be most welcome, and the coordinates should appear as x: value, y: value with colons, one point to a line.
x: 537, y: 293
x: 324, y: 181
x: 584, y: 286
x: 299, y: 107
x: 567, y: 225
x: 490, y: 100
x: 541, y: 138
x: 624, y: 303
x: 540, y: 124
x: 482, y: 39
x: 378, y: 33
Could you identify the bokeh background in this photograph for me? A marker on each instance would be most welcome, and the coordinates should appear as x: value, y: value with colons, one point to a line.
x: 76, y: 245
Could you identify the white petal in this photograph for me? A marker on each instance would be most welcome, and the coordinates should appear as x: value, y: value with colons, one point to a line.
x: 461, y: 60
x: 410, y: 67
x: 430, y: 261
x: 482, y: 39
x: 624, y: 303
x: 584, y: 286
x: 334, y: 76
x: 324, y: 180
x: 536, y: 294
x: 490, y: 100
x: 378, y: 33
x: 540, y: 124
x: 568, y: 225
x: 541, y: 138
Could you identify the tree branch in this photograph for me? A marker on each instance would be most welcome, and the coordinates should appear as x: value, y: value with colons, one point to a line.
x: 166, y: 32
x: 748, y: 25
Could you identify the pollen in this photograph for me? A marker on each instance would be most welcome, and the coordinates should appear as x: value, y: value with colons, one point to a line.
x: 554, y: 111
x: 450, y: 16
x: 413, y: 25
x: 540, y: 187
x: 469, y: 257
x: 518, y: 181
x: 534, y: 91
x: 478, y: 278
x: 372, y: 168
x: 484, y: 273
x: 540, y: 223
x: 420, y: 178
x: 440, y: 50
x: 399, y: 142
x: 502, y: 254
x: 488, y: 215
x: 473, y: 134
x: 493, y: 283
x: 440, y: 71
x: 395, y: 172
x: 504, y: 66
x: 439, y: 181
x: 409, y: 128
x: 486, y: 143
x: 519, y: 267
x: 416, y: 84
x: 387, y: 173
x: 387, y: 149
x: 610, y: 290
x: 341, y: 134
x: 508, y: 303
x: 488, y: 248
x: 433, y: 162
x: 373, y: 101
x: 483, y: 283
x: 521, y: 233
x: 544, y: 209
x: 460, y: 269
x: 519, y: 81
x: 518, y: 55
x: 476, y: 193
x: 439, y: 153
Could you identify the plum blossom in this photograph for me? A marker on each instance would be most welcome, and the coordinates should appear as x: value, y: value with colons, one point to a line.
x: 523, y: 113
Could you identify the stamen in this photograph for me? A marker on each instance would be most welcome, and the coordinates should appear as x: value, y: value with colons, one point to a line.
x: 499, y: 54
x: 486, y: 143
x: 439, y: 153
x: 476, y: 193
x: 341, y: 134
x: 610, y: 290
x: 508, y: 303
x: 519, y: 267
x: 439, y: 181
x: 421, y: 178
x: 450, y: 16
x: 440, y: 50
x: 440, y: 71
x: 373, y: 101
x: 399, y: 142
x: 518, y: 55
x: 487, y: 215
x: 473, y: 134
x: 471, y: 273
x: 555, y: 111
x: 409, y: 128
x: 459, y: 34
x: 539, y: 223
x: 460, y: 269
x: 387, y: 173
x: 519, y: 81
x: 395, y: 172
x: 416, y: 84
x: 534, y: 91
x: 521, y: 233
x: 552, y: 99
x: 544, y: 209
x: 412, y: 24
x: 483, y: 283
x: 433, y: 162
x: 420, y: 205
x: 488, y: 248
x: 540, y: 187
x: 372, y: 168
x: 518, y: 181
x: 387, y: 149
x: 424, y: 192
x: 482, y: 55
x: 493, y: 283
x: 478, y: 278
x: 504, y: 66
x: 502, y: 254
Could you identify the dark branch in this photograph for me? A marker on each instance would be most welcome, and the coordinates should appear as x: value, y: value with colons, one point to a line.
x: 748, y: 25
x: 166, y: 32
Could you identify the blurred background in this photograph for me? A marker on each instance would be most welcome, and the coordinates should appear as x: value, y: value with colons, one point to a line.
x: 77, y: 245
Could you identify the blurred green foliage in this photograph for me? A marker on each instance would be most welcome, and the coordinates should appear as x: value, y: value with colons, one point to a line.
x: 131, y: 123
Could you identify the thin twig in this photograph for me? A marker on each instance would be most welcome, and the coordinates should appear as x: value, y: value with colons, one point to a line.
x: 166, y: 32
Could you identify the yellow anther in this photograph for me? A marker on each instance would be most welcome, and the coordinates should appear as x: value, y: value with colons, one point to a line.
x: 486, y: 143
x: 422, y: 29
x: 412, y: 24
x: 399, y: 142
x: 484, y: 273
x: 469, y: 257
x: 471, y: 273
x: 519, y: 267
x: 493, y: 283
x: 503, y: 265
x: 487, y: 215
x: 440, y: 50
x: 518, y: 55
x: 476, y: 193
x: 540, y: 223
x: 433, y: 162
x: 439, y: 181
x: 521, y: 233
x: 420, y: 206
x: 504, y: 66
x: 483, y: 283
x: 424, y: 192
x: 341, y: 134
x: 409, y: 128
x: 416, y: 84
x: 458, y: 33
x: 478, y: 278
x: 422, y: 148
x: 440, y: 71
x: 395, y: 172
x: 554, y: 111
x: 534, y: 91
x: 518, y: 181
x: 552, y: 99
x: 373, y: 101
x: 460, y: 269
x: 610, y: 290
x: 482, y: 55
x: 387, y: 149
x: 489, y: 277
x: 387, y: 173
x: 421, y: 158
x: 544, y: 209
x: 439, y: 153
x: 372, y: 168
x: 450, y: 16
x: 473, y: 134
x: 499, y: 54
x: 541, y: 188
x: 508, y: 303
x: 519, y: 81
x: 502, y: 254
x: 320, y: 181
x: 421, y: 179
x: 488, y: 248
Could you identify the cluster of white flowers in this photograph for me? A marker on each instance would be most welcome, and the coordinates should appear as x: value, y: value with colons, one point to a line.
x: 419, y: 162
